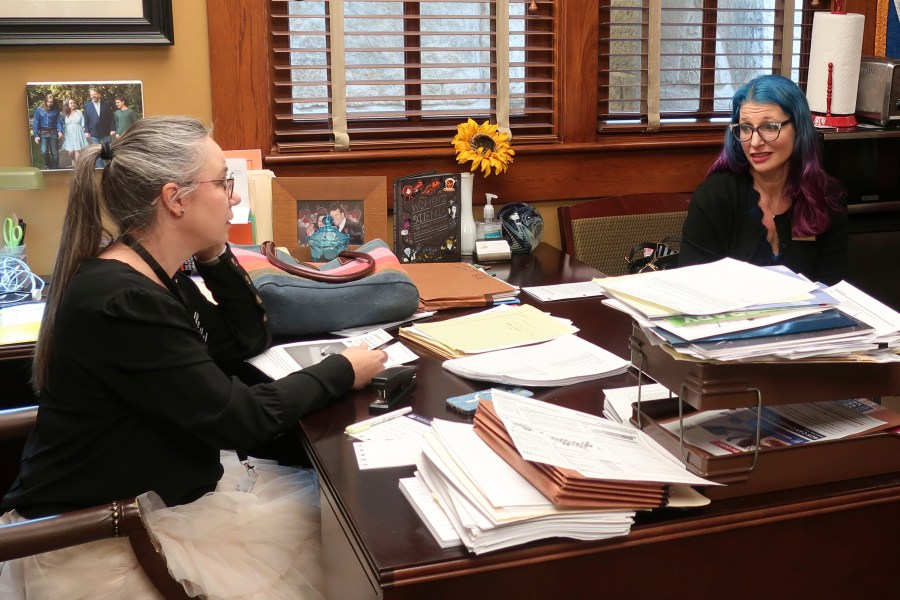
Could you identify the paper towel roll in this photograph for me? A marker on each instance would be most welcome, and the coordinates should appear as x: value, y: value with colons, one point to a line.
x: 836, y: 39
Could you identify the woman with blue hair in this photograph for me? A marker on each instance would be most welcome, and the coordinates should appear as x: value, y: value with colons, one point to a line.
x: 766, y: 199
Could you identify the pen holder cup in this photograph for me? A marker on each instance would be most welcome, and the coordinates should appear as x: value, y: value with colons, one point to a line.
x: 14, y: 252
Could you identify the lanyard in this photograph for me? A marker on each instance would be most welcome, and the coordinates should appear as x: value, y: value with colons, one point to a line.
x: 154, y: 266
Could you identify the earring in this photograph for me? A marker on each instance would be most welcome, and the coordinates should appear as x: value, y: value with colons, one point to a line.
x: 182, y: 213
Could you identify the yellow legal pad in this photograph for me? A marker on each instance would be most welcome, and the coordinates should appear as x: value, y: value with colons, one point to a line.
x: 494, y: 329
x: 19, y: 324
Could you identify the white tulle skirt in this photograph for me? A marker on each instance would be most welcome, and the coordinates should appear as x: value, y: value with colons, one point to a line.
x: 262, y: 544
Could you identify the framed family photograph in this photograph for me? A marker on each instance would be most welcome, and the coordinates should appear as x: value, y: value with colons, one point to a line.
x: 357, y: 206
x: 57, y: 22
x: 64, y: 118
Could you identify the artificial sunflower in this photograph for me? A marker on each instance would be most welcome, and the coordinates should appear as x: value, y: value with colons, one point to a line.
x: 485, y: 145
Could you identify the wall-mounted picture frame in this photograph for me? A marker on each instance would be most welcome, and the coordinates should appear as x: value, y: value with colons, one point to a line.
x: 297, y: 202
x: 93, y: 22
x: 65, y: 117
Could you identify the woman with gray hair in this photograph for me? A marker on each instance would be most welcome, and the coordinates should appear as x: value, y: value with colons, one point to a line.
x: 133, y: 400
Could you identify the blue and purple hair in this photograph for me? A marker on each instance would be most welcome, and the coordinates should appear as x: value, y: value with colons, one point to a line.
x: 816, y: 194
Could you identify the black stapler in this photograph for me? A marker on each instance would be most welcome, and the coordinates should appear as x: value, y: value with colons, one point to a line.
x: 392, y: 384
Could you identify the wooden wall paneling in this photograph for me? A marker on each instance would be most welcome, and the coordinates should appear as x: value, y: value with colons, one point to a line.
x: 567, y: 172
x: 577, y: 61
x: 240, y: 65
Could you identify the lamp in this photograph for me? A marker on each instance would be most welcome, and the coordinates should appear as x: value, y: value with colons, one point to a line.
x: 21, y: 178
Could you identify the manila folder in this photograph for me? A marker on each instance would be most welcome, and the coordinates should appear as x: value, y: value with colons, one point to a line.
x: 456, y: 285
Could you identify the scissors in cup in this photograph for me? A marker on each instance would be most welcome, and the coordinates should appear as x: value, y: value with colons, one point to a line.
x: 12, y: 233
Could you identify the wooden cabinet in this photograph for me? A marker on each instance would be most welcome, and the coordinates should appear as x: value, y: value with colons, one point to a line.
x: 867, y: 161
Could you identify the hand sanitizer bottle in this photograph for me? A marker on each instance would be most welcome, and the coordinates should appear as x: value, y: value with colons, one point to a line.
x: 489, y: 229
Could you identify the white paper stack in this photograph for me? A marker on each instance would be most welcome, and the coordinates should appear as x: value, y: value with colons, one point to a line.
x: 562, y: 361
x: 734, y: 311
x: 491, y: 506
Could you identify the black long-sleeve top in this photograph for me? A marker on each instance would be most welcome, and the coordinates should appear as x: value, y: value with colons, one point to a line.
x: 724, y: 220
x: 135, y: 400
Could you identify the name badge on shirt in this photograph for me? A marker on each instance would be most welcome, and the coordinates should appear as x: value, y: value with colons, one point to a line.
x: 810, y: 238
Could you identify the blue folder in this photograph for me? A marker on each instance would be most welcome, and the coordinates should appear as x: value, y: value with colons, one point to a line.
x: 824, y: 323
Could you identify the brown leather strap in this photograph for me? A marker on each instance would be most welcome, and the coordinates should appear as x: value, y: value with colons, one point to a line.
x: 146, y: 552
x: 309, y: 272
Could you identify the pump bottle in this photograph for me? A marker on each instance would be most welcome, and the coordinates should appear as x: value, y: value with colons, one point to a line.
x: 488, y: 229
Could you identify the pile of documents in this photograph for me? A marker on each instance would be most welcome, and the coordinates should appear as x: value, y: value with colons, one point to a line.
x: 495, y: 329
x: 563, y: 361
x: 730, y: 310
x: 489, y: 505
x: 515, y: 345
x: 494, y: 500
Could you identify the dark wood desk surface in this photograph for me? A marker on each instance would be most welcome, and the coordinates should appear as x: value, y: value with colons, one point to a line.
x: 838, y: 540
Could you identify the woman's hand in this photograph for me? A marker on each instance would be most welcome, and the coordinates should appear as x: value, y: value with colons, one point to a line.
x: 366, y: 364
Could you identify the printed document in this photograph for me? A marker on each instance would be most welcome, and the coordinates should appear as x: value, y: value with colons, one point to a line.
x: 592, y: 446
x: 564, y: 291
x: 496, y: 329
x: 279, y: 361
x: 562, y: 361
x: 721, y: 286
x: 733, y: 431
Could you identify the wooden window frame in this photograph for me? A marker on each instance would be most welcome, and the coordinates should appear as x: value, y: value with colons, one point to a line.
x: 582, y: 165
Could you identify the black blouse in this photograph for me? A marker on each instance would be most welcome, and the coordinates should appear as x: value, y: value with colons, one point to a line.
x: 135, y: 400
x: 724, y: 220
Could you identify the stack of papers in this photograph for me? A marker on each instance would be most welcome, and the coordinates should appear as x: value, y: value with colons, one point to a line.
x: 466, y: 492
x: 495, y: 329
x: 730, y: 310
x: 577, y: 459
x: 562, y: 361
x: 618, y: 403
x: 488, y: 504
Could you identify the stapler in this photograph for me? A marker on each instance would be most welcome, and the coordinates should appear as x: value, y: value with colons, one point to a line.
x: 392, y: 384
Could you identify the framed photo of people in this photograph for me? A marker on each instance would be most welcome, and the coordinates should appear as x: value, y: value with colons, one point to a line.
x: 64, y: 118
x: 357, y: 206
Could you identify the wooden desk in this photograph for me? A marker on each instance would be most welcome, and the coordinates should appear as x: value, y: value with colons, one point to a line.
x: 833, y: 541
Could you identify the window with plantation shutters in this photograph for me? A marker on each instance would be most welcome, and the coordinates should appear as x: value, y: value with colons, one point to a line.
x: 673, y: 64
x: 371, y: 74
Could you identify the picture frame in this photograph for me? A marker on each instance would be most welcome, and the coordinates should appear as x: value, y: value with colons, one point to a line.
x: 149, y: 22
x: 60, y: 153
x: 291, y: 196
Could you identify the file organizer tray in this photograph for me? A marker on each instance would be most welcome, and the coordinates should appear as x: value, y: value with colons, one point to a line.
x: 776, y: 468
x: 711, y: 386
x: 717, y: 386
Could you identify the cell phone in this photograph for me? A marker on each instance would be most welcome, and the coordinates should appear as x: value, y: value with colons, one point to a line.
x: 468, y: 403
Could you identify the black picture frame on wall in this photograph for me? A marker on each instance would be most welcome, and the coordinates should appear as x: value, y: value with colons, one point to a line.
x: 154, y: 27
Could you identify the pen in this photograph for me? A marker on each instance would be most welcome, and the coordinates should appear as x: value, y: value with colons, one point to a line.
x: 363, y: 425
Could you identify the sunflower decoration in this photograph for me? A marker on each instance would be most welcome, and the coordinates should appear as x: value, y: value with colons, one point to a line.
x: 485, y: 145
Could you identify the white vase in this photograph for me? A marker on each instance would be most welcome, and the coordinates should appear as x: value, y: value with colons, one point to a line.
x: 466, y: 220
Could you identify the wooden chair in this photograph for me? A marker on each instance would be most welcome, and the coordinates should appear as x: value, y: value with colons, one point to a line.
x: 602, y: 232
x: 120, y: 518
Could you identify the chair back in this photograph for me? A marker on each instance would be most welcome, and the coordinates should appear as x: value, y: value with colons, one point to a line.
x: 601, y: 232
x: 120, y: 518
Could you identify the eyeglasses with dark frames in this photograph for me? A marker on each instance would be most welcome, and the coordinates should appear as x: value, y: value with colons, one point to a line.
x: 228, y: 182
x: 768, y: 132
